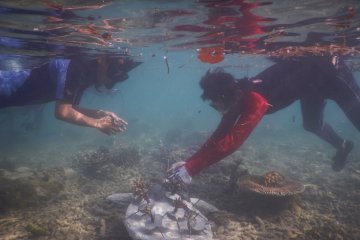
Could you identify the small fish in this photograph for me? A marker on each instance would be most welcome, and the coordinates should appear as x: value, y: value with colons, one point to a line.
x: 182, y: 65
x: 167, y: 64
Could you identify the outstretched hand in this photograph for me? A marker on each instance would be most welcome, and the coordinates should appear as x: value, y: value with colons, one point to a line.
x: 116, y: 121
x: 105, y: 125
x: 108, y: 125
x: 177, y: 172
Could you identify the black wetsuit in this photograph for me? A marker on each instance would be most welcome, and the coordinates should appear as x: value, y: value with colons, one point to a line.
x: 311, y: 80
x: 60, y: 79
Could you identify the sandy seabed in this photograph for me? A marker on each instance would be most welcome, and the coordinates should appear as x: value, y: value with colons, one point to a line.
x: 327, y: 209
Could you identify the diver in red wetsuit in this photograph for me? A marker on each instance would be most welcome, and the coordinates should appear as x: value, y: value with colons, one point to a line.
x: 244, y: 102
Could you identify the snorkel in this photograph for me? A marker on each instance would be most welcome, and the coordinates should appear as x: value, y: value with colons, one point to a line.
x: 219, y: 88
x: 118, y: 68
x: 111, y: 70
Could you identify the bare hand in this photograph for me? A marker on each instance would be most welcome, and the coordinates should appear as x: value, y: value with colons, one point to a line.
x: 116, y: 120
x: 106, y: 125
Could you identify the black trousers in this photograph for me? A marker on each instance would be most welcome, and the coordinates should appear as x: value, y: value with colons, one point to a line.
x: 346, y: 93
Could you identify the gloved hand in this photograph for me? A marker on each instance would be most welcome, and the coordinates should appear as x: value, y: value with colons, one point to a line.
x: 177, y: 172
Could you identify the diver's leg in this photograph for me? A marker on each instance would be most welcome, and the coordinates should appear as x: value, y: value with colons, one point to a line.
x: 313, y: 114
x: 347, y: 95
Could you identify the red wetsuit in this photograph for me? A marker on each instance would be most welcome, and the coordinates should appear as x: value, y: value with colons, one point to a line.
x: 235, y: 126
x: 312, y: 80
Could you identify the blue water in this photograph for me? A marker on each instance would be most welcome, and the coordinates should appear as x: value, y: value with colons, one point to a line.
x: 156, y: 99
x: 161, y: 98
x: 153, y: 98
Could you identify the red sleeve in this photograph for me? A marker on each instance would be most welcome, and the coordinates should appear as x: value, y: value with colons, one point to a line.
x: 234, y: 128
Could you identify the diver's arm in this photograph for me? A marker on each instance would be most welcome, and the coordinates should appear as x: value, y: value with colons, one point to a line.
x: 97, y: 113
x: 66, y: 112
x: 220, y: 146
x: 94, y: 113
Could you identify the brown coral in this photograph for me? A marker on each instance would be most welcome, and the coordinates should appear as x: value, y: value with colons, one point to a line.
x: 273, y: 179
x: 271, y: 184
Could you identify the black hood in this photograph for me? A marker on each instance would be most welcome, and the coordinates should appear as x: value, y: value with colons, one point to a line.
x: 130, y: 64
x: 118, y: 69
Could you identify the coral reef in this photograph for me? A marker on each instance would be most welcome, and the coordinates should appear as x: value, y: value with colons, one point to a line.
x: 102, y: 162
x: 273, y: 179
x: 163, y: 215
x: 58, y: 199
x: 26, y: 187
x: 271, y: 184
x: 36, y: 230
x: 141, y: 191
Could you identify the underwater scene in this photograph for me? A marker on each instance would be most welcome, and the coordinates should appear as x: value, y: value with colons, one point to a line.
x: 192, y: 119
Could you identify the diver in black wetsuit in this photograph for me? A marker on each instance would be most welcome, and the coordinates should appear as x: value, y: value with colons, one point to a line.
x: 243, y: 103
x: 313, y: 80
x: 64, y: 81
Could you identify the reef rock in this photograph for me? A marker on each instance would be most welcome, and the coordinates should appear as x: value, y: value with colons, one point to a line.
x: 162, y: 219
x: 271, y: 184
x: 101, y: 164
x: 27, y: 187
